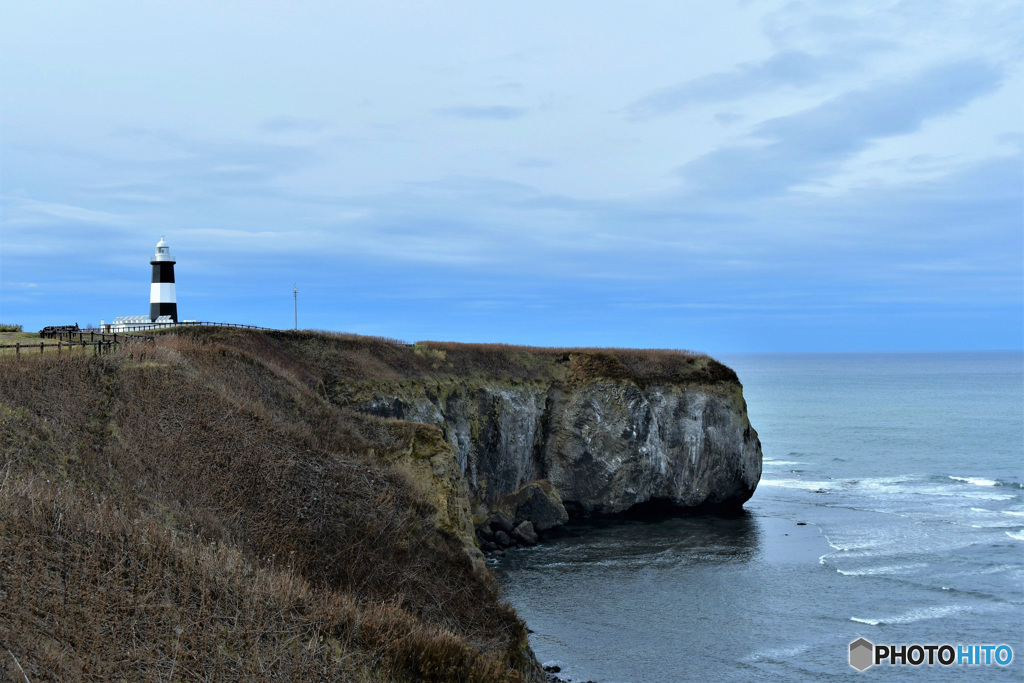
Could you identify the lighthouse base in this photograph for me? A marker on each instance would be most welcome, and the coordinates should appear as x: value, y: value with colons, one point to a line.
x: 161, y: 310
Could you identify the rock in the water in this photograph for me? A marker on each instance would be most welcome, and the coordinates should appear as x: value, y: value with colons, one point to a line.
x: 540, y: 503
x: 525, y: 534
x: 484, y: 532
x: 503, y: 539
x: 501, y: 521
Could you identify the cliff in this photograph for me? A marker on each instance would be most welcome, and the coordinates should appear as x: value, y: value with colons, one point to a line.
x: 329, y: 493
x: 606, y: 446
x: 545, y: 434
x: 601, y: 430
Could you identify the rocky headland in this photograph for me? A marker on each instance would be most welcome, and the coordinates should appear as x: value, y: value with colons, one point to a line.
x: 584, y: 432
x: 228, y: 503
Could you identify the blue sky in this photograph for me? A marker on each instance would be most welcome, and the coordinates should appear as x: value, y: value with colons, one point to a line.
x: 748, y: 176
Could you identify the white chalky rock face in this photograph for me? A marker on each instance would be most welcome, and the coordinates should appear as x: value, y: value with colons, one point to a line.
x: 684, y: 445
x: 605, y: 446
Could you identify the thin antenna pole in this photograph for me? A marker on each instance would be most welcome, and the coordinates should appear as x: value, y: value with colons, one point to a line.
x: 295, y: 293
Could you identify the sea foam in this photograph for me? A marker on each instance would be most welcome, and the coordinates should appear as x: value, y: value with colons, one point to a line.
x: 882, y: 571
x: 977, y: 481
x: 915, y: 615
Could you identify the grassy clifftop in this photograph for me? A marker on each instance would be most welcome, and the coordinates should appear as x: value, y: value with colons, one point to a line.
x: 353, y: 359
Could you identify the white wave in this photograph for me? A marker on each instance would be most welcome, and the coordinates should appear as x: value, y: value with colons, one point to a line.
x: 1019, y: 535
x: 882, y: 571
x: 977, y: 481
x: 886, y: 481
x: 782, y: 462
x: 915, y: 615
x: 797, y: 484
x: 847, y: 547
x: 1015, y: 513
x: 988, y: 496
x: 998, y: 569
x: 780, y: 653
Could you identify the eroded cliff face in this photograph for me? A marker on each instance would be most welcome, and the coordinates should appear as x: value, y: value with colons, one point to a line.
x: 604, y: 445
x: 613, y: 446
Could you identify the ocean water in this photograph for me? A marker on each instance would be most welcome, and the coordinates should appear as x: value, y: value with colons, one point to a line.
x: 907, y: 471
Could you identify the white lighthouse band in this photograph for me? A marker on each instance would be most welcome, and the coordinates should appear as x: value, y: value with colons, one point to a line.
x: 163, y: 300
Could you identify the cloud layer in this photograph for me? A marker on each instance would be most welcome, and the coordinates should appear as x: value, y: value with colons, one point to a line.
x: 807, y: 146
x: 772, y: 176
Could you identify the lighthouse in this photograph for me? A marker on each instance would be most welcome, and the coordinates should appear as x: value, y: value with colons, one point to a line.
x: 162, y: 299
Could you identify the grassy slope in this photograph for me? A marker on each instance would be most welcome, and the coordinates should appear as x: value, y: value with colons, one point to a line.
x: 194, y: 508
x: 191, y: 508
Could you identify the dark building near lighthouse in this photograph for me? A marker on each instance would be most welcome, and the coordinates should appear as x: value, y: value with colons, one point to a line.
x: 162, y: 297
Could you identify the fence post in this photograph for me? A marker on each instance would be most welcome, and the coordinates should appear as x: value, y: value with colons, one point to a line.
x: 17, y: 349
x: 40, y: 348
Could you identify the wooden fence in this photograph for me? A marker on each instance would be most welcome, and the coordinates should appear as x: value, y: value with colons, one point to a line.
x: 69, y: 337
x: 101, y: 345
x: 69, y: 332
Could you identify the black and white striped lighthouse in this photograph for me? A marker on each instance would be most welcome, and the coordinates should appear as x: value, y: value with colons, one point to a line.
x: 162, y: 299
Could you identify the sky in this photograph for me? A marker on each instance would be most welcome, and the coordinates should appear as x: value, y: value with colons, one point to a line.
x: 748, y: 176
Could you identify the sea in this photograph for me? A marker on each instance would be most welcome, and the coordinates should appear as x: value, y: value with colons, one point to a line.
x: 890, y: 507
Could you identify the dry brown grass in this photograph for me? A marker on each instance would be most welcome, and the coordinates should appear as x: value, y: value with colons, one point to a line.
x: 639, y: 365
x: 193, y: 508
x: 345, y: 358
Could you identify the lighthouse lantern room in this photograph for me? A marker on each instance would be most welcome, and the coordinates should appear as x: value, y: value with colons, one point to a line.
x: 162, y: 297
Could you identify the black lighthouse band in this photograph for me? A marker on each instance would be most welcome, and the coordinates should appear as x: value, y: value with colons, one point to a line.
x: 163, y: 271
